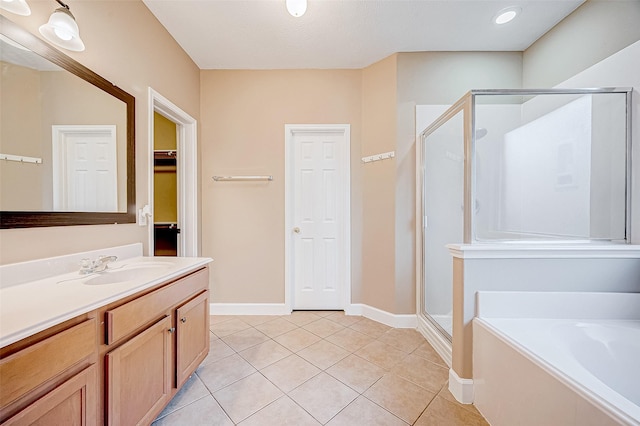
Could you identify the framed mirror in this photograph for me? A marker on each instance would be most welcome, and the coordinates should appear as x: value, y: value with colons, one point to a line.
x: 67, y: 139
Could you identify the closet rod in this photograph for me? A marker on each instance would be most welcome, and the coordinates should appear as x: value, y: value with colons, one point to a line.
x: 241, y: 178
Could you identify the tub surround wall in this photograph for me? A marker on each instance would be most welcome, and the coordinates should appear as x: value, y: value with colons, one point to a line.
x: 534, y: 267
x: 562, y: 406
x: 621, y: 70
x: 536, y: 358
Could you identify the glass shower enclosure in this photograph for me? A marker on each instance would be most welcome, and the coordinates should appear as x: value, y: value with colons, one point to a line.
x: 520, y: 166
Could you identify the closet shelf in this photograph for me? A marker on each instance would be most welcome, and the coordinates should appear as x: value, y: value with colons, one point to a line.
x: 164, y: 157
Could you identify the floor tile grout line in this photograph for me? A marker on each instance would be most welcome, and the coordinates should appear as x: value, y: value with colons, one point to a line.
x: 373, y: 402
x: 310, y: 378
x: 427, y: 407
x: 349, y: 352
x: 387, y: 370
x: 359, y: 394
x: 286, y: 394
x: 222, y: 408
x: 225, y: 411
x: 375, y: 337
x: 183, y: 406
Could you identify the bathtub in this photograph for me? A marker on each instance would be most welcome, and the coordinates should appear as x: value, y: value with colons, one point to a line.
x: 557, y: 358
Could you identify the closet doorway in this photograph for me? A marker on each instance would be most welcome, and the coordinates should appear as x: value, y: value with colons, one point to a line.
x: 166, y: 231
x: 173, y: 178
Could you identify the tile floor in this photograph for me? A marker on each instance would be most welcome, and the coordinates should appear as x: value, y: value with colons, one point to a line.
x: 316, y: 368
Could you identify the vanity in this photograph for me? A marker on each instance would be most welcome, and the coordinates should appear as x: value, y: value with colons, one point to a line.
x: 110, y: 347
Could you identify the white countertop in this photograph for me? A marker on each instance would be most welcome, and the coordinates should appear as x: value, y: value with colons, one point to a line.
x: 30, y: 307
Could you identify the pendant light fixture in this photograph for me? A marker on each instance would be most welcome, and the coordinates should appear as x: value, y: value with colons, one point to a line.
x: 19, y: 7
x: 296, y: 8
x: 62, y: 29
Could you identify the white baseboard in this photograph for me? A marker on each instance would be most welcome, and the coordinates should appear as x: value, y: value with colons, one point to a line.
x: 392, y: 320
x: 248, y: 309
x: 439, y: 343
x: 384, y: 317
x: 461, y: 389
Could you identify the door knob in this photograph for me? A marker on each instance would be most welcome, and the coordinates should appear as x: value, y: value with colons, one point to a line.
x: 296, y: 230
x: 183, y: 320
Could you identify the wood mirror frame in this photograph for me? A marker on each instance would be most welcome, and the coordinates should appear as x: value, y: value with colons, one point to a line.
x: 28, y: 219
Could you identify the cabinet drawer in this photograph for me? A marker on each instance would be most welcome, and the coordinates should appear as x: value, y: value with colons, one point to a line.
x: 27, y: 369
x: 125, y: 319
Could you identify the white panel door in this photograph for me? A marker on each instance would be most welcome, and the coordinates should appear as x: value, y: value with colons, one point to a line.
x: 85, y: 168
x: 320, y: 216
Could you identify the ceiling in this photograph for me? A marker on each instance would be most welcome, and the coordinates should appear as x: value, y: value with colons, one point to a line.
x: 335, y: 34
x: 13, y: 53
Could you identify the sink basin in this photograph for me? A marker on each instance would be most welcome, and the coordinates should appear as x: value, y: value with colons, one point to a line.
x: 132, y: 272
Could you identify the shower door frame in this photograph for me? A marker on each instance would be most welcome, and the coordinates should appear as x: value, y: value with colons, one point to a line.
x: 436, y: 335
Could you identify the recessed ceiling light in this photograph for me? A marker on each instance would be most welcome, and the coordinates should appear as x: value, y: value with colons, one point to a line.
x: 506, y: 15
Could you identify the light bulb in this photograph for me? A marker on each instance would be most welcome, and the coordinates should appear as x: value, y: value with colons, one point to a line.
x: 63, y: 34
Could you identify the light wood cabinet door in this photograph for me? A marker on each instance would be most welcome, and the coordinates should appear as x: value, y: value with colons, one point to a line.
x: 70, y: 404
x: 192, y: 334
x: 26, y: 370
x: 138, y: 376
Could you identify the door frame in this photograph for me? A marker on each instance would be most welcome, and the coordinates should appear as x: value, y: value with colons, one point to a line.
x: 187, y: 173
x: 345, y: 231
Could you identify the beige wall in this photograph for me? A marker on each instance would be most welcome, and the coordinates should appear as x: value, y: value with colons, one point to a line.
x: 593, y: 32
x: 243, y: 117
x: 432, y: 78
x: 22, y: 85
x: 32, y: 102
x: 378, y: 185
x: 128, y: 46
x: 242, y: 133
x: 65, y: 98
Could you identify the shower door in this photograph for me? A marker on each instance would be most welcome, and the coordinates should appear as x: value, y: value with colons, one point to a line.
x: 443, y: 221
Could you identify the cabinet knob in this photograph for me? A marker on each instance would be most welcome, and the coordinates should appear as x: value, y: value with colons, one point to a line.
x: 183, y: 319
x: 172, y: 329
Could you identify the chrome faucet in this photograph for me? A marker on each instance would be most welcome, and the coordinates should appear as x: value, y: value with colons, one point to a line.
x: 88, y: 266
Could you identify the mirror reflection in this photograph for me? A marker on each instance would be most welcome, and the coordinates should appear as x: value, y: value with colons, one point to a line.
x: 63, y: 140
